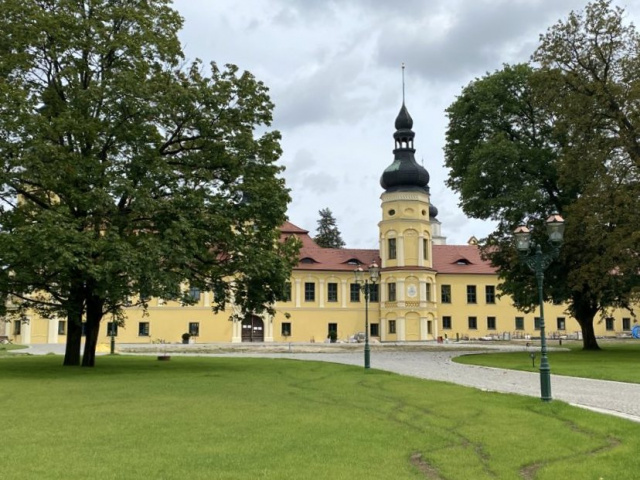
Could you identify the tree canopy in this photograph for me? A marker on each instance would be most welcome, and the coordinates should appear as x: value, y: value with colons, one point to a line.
x: 128, y: 172
x: 328, y: 234
x: 559, y: 134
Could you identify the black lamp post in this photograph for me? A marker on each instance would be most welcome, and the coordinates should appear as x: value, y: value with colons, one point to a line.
x: 365, y: 285
x: 538, y: 263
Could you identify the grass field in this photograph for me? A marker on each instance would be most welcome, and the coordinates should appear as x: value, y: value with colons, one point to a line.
x: 235, y: 418
x: 618, y: 360
x: 6, y: 347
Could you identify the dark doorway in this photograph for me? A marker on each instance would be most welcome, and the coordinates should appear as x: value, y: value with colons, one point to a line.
x: 252, y: 329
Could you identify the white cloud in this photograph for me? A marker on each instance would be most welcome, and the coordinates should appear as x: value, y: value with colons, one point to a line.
x: 333, y: 67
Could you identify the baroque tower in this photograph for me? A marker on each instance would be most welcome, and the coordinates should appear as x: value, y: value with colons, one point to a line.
x: 407, y: 279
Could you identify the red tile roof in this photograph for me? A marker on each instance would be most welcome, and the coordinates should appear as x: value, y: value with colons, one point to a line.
x: 337, y: 258
x: 450, y: 259
x: 460, y: 259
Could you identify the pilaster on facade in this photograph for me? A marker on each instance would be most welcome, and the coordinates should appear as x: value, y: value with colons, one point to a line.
x: 343, y: 297
x: 298, y: 292
x: 25, y: 330
x: 267, y: 320
x: 401, y: 329
x: 207, y: 299
x: 421, y: 255
x: 52, y: 330
x: 400, y: 250
x: 236, y: 331
x: 321, y: 295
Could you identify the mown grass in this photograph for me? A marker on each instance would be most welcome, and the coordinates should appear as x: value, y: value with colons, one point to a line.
x: 5, y: 347
x: 222, y: 418
x: 617, y: 360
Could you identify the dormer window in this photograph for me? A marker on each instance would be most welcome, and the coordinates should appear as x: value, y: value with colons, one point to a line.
x: 353, y: 261
x: 308, y: 260
x: 463, y: 261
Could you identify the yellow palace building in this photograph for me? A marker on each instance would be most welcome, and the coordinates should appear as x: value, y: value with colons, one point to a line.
x: 427, y: 290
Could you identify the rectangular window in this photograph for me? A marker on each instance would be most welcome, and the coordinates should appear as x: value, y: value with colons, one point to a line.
x: 354, y: 292
x: 309, y: 292
x: 425, y: 249
x: 143, y: 329
x: 374, y: 331
x: 194, y: 294
x: 519, y: 323
x: 62, y: 327
x: 17, y: 327
x: 473, y: 323
x: 471, y: 294
x: 287, y: 292
x: 626, y: 324
x: 392, y: 326
x: 194, y: 329
x: 391, y: 291
x: 285, y: 329
x: 332, y: 327
x: 536, y: 323
x: 446, y: 323
x: 490, y: 293
x: 560, y: 323
x: 392, y: 248
x: 112, y: 329
x: 445, y: 293
x: 427, y: 293
x: 491, y: 323
x: 609, y: 324
x: 374, y: 292
x: 332, y: 292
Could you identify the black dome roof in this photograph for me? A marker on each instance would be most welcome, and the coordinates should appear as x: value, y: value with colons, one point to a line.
x: 433, y: 211
x: 404, y: 173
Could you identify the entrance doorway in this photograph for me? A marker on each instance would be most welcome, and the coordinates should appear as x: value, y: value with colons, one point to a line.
x: 252, y: 329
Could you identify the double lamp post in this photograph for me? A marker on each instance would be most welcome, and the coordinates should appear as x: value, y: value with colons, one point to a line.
x: 538, y: 263
x: 366, y: 285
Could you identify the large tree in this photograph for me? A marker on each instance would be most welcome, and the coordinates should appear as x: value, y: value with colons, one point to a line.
x: 327, y: 233
x: 126, y: 172
x: 526, y: 140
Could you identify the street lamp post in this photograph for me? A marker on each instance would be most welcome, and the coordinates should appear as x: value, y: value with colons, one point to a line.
x: 365, y: 285
x: 538, y: 263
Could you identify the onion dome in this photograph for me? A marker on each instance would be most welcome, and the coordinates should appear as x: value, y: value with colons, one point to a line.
x: 433, y: 211
x: 404, y: 174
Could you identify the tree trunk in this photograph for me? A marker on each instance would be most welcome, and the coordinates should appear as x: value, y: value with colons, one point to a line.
x: 585, y: 314
x: 74, y: 325
x: 74, y: 340
x: 94, y: 316
x: 589, y: 341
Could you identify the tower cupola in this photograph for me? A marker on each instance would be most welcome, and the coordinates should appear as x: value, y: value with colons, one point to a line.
x: 404, y: 174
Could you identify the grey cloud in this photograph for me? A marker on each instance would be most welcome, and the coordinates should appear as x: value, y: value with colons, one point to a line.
x: 482, y: 34
x: 320, y: 183
x: 302, y: 162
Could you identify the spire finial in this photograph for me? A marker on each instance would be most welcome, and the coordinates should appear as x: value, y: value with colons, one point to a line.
x: 403, y: 83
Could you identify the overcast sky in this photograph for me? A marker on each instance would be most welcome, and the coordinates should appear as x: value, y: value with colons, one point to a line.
x: 333, y: 68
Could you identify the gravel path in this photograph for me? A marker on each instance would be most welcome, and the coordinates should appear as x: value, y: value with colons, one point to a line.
x: 614, y: 398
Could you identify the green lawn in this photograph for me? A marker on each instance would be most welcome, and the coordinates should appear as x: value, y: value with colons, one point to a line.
x: 234, y: 418
x: 618, y: 360
x: 5, y: 347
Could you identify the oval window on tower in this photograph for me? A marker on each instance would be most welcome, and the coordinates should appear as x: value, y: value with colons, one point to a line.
x: 392, y: 212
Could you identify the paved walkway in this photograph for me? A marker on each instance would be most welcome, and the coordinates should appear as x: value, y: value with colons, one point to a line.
x: 615, y: 398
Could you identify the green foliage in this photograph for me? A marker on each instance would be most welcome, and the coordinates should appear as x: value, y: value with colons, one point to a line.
x: 527, y: 140
x: 328, y: 234
x: 299, y: 420
x: 126, y: 171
